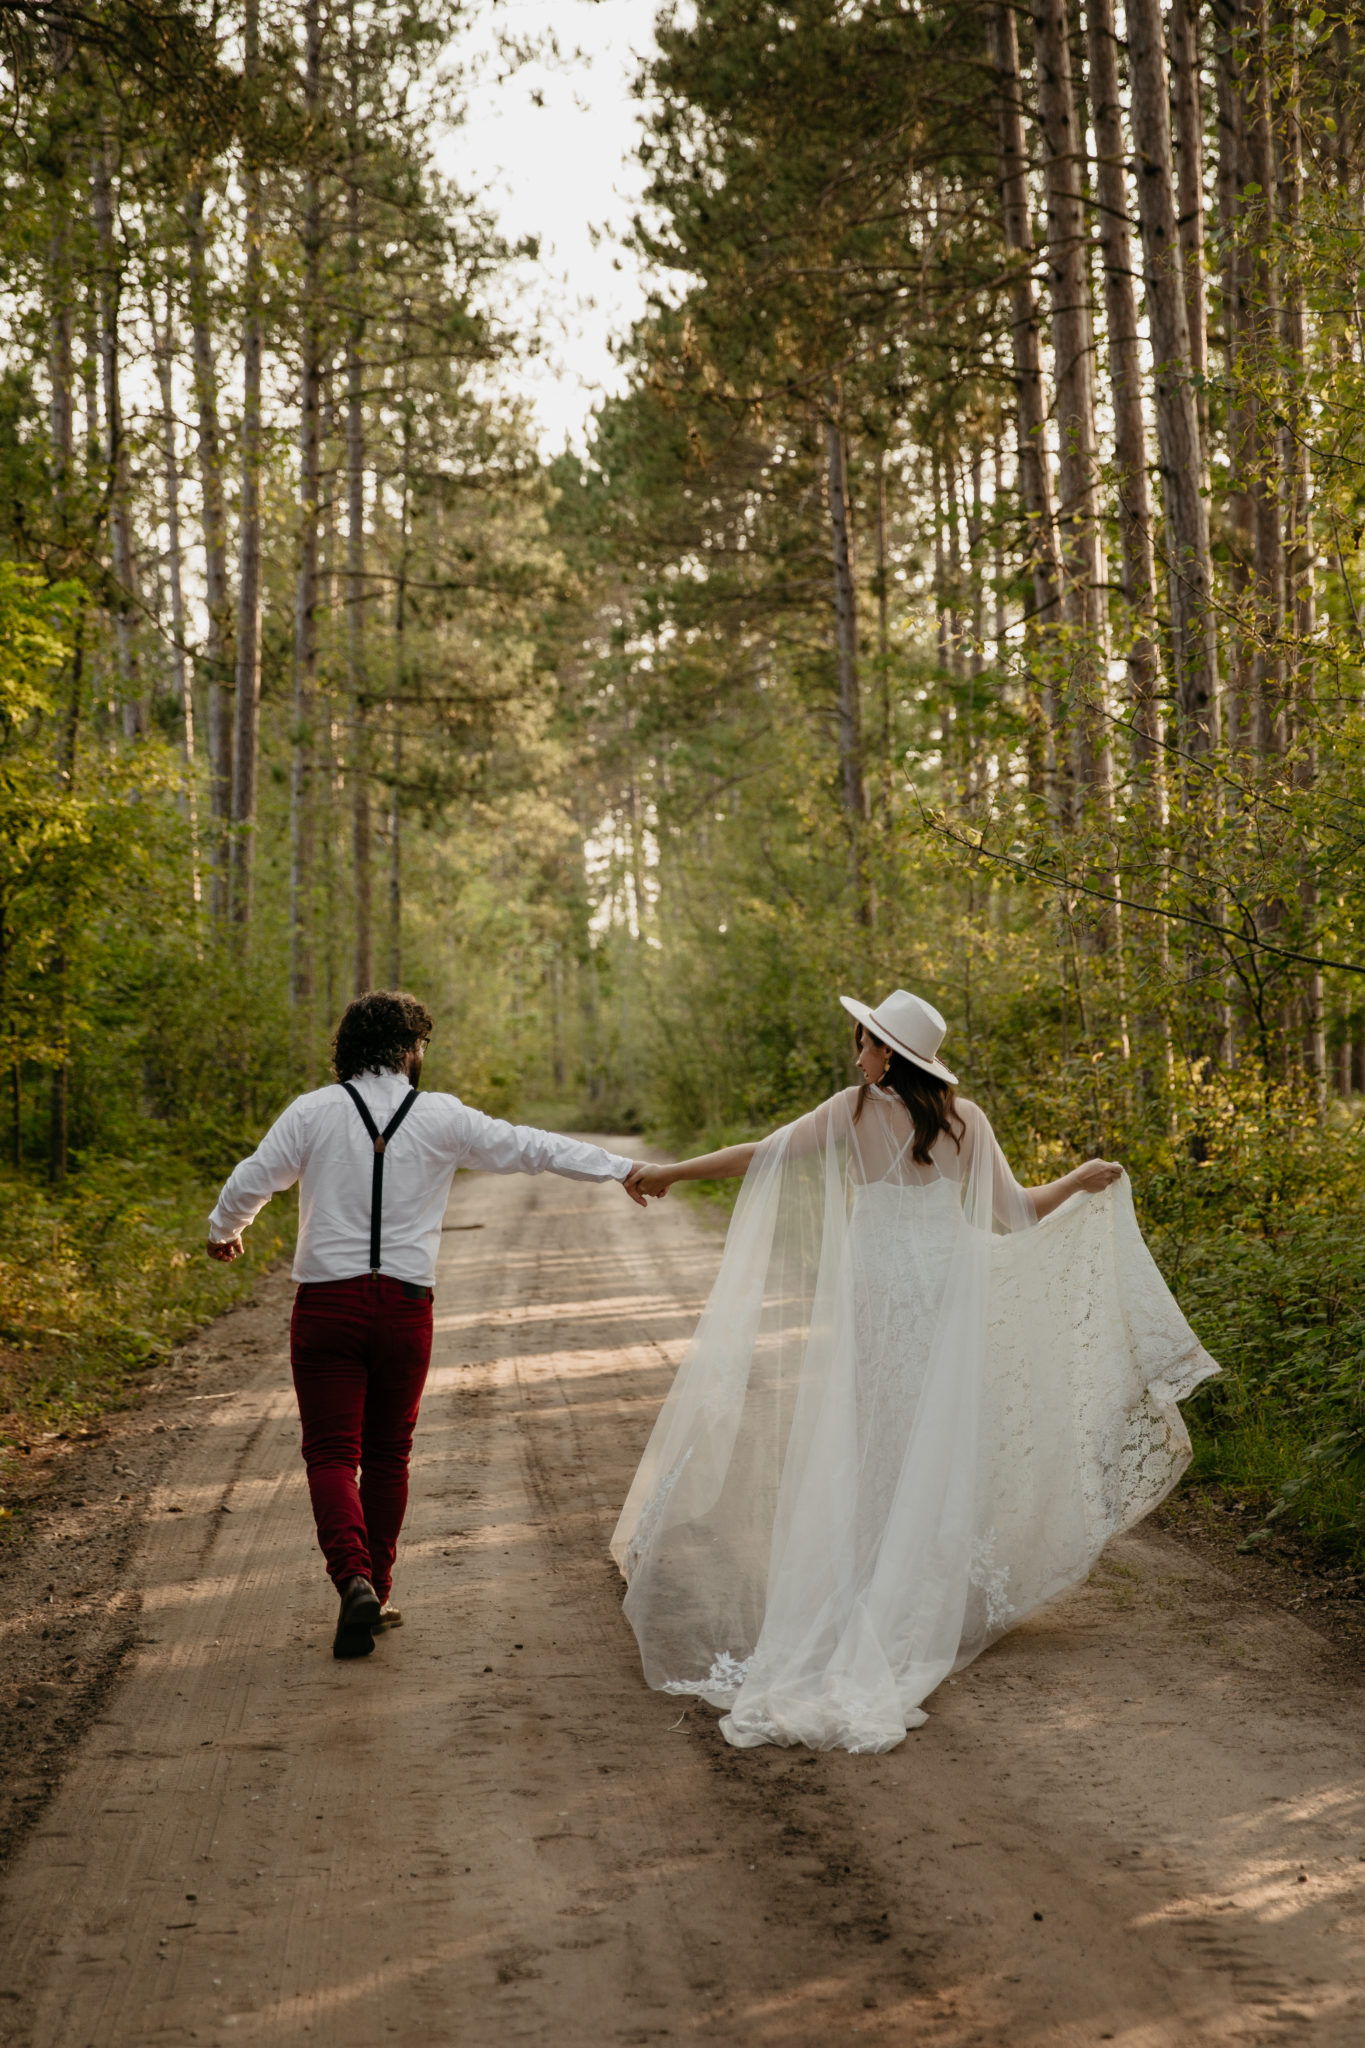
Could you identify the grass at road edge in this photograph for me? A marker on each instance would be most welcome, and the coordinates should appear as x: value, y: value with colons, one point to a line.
x: 98, y: 1282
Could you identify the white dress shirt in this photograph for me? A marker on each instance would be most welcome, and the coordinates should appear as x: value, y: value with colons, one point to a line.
x: 321, y: 1142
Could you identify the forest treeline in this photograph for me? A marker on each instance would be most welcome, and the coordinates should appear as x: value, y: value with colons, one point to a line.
x: 965, y: 592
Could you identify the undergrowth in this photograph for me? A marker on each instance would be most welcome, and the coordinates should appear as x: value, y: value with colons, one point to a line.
x: 99, y: 1281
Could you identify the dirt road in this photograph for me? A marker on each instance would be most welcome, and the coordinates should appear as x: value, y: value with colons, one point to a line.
x: 1139, y: 1819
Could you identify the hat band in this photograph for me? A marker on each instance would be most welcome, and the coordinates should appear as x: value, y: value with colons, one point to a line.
x: 902, y: 1045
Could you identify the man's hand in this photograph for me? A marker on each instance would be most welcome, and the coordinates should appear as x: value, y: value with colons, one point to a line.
x: 231, y: 1248
x: 631, y: 1184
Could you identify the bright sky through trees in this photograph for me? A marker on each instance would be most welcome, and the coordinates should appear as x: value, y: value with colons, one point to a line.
x: 552, y: 144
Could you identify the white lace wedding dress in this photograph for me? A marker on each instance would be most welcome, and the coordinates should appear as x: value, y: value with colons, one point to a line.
x: 909, y: 1415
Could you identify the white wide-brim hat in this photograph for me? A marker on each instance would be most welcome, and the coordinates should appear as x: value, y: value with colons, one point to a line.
x: 908, y: 1025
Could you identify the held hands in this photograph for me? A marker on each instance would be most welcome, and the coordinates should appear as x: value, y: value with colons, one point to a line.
x: 648, y: 1180
x: 231, y: 1248
x: 1098, y: 1174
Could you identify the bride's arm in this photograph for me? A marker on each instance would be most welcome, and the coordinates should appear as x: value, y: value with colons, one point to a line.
x: 1090, y: 1179
x: 807, y: 1135
x: 730, y: 1164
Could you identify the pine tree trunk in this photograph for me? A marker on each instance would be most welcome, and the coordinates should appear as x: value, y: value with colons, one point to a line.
x: 1189, y: 566
x: 1233, y: 289
x: 884, y: 640
x: 61, y: 420
x: 1000, y: 614
x: 361, y: 834
x: 61, y: 330
x: 1073, y: 352
x: 134, y: 711
x: 941, y: 638
x: 170, y: 467
x: 214, y: 520
x: 1297, y: 475
x: 306, y: 597
x: 401, y: 682
x: 247, y: 666
x: 852, y: 791
x: 954, y: 511
x: 1296, y: 433
x: 1034, y: 478
x: 976, y: 531
x: 396, y: 861
x: 1187, y: 98
x: 1268, y: 707
x: 1125, y: 386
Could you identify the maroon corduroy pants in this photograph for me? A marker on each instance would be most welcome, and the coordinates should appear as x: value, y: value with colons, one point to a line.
x: 360, y: 1351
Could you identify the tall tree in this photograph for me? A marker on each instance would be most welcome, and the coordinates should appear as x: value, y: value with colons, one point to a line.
x: 1033, y: 467
x: 360, y: 764
x: 247, y: 678
x: 1187, y: 100
x: 1189, y: 562
x: 1073, y: 349
x: 1133, y: 497
x: 311, y: 315
x: 126, y: 596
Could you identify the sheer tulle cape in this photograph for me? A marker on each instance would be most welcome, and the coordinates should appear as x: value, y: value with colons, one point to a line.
x: 910, y: 1413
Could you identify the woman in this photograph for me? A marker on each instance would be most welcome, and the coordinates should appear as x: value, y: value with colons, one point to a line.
x: 918, y: 1403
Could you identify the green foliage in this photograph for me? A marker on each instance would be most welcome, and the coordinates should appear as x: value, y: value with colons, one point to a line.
x: 98, y: 1282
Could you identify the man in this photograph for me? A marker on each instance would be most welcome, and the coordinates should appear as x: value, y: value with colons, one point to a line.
x: 374, y: 1160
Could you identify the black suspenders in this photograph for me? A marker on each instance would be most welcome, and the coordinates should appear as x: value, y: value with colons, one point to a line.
x: 381, y: 1139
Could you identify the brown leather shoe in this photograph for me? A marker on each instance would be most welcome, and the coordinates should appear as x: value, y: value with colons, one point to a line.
x: 357, y: 1619
x: 389, y: 1617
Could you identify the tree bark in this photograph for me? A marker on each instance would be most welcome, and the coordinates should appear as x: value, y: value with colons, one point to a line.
x: 1233, y: 291
x: 1073, y: 351
x: 170, y: 469
x: 853, y: 794
x: 214, y: 520
x: 942, y: 640
x: 1187, y: 97
x: 306, y: 596
x: 1301, y: 713
x: 976, y: 529
x: 361, y: 831
x: 62, y: 426
x: 1000, y: 614
x: 1034, y: 477
x: 1189, y: 567
x: 1125, y: 386
x: 1295, y: 433
x: 883, y: 640
x: 1268, y: 667
x: 61, y: 330
x: 133, y: 709
x: 247, y: 676
x: 400, y: 662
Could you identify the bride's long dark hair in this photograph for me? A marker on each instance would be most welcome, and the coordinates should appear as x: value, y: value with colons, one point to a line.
x: 932, y: 1103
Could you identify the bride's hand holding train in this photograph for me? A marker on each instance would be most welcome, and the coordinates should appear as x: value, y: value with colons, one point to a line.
x: 1091, y: 1179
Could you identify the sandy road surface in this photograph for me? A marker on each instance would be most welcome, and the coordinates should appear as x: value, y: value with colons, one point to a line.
x: 1138, y: 1819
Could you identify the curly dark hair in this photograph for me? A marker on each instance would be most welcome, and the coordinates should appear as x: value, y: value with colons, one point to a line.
x: 377, y: 1031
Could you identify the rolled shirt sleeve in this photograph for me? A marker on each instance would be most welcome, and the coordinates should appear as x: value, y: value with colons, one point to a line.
x: 498, y: 1147
x: 275, y: 1165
